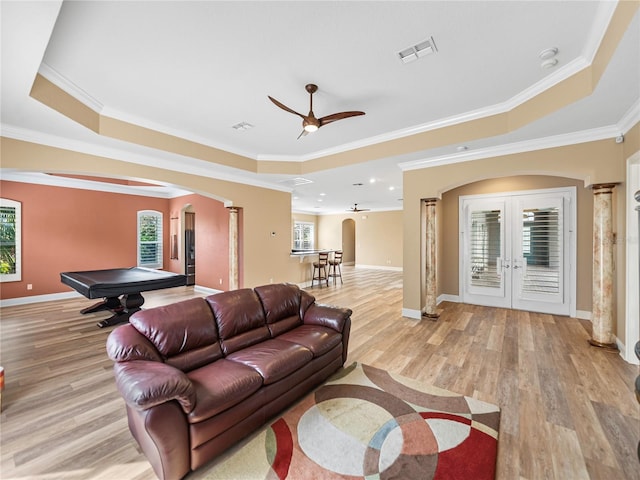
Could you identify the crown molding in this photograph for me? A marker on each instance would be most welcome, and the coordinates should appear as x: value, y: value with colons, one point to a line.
x: 555, y: 141
x: 69, y: 87
x: 602, y: 20
x: 159, y: 159
x: 146, y: 123
x: 599, y: 28
x: 630, y: 119
x: 38, y: 178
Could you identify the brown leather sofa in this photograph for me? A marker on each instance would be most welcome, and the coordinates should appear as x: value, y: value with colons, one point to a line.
x: 199, y: 375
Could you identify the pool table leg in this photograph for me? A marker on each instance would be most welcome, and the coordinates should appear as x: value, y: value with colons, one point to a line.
x: 127, y: 306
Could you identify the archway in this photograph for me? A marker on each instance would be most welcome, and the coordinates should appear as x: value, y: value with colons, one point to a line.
x: 349, y: 241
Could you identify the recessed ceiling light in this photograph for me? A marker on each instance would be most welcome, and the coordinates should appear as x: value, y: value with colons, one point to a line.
x: 552, y: 62
x: 372, y: 180
x: 392, y: 188
x: 242, y: 126
x: 322, y: 194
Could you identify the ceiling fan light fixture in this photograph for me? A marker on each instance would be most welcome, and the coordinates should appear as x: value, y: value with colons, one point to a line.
x: 310, y: 127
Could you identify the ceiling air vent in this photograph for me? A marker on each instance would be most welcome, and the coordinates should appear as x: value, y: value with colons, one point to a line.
x: 418, y: 50
x: 296, y: 182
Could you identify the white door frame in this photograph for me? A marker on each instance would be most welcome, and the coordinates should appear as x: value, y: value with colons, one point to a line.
x: 570, y: 216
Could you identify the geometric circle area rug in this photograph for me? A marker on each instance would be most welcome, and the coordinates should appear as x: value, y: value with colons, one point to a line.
x: 366, y: 423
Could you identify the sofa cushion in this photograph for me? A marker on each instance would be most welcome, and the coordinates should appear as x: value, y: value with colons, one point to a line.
x: 281, y: 303
x: 184, y: 333
x: 273, y: 359
x: 221, y: 385
x: 240, y: 318
x: 316, y: 338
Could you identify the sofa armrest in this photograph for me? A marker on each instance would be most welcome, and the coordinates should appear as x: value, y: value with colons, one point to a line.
x: 144, y: 384
x: 327, y: 316
x: 125, y: 343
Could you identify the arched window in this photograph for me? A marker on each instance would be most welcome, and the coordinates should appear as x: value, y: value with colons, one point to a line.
x: 149, y: 239
x: 10, y: 240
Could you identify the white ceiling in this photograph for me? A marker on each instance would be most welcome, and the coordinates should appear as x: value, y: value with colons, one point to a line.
x: 194, y: 69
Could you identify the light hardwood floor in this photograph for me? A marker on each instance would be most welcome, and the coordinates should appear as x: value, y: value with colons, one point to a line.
x: 568, y: 409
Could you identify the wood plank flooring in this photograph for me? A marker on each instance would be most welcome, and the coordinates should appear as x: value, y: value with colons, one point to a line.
x: 568, y: 409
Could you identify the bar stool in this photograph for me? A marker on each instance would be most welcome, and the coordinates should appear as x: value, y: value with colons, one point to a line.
x: 321, y: 267
x: 335, y: 270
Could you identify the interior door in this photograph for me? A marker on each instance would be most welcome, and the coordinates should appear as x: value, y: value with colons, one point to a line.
x: 539, y: 260
x: 486, y: 275
x: 517, y: 250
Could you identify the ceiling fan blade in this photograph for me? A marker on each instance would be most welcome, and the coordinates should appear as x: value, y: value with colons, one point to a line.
x: 303, y: 133
x: 338, y: 116
x: 285, y: 108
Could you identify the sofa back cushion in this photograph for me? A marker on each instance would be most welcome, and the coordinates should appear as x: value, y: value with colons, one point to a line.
x: 240, y: 318
x: 281, y: 303
x: 184, y: 333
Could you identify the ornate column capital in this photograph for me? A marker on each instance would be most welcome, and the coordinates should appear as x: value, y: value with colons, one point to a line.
x: 599, y: 188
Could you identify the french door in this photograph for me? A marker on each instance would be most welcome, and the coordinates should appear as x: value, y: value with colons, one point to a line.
x: 517, y: 250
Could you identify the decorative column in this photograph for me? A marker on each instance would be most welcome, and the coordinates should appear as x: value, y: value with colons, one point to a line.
x: 603, y: 305
x: 430, y: 259
x: 233, y: 248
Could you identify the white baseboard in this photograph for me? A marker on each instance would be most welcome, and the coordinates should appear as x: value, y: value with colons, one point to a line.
x: 380, y: 267
x: 583, y: 314
x: 447, y: 298
x: 207, y: 290
x: 411, y: 313
x: 10, y: 302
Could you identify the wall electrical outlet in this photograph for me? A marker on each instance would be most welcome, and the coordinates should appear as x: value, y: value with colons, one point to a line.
x: 29, y: 286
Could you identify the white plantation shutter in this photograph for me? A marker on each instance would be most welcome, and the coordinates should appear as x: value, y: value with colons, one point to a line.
x: 149, y: 239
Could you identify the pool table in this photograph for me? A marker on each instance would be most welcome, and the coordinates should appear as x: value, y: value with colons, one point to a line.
x: 112, y: 284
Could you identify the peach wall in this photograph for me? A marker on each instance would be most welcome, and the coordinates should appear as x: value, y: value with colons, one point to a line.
x: 70, y: 230
x: 212, y: 239
x: 81, y: 233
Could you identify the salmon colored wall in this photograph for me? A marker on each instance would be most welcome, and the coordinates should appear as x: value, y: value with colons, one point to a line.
x: 66, y: 229
x: 212, y: 239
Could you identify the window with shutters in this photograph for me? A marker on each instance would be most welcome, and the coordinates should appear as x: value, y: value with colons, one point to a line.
x: 10, y: 241
x: 303, y: 235
x: 149, y: 239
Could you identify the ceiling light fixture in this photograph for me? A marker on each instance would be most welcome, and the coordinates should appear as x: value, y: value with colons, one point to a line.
x: 418, y: 50
x: 552, y: 62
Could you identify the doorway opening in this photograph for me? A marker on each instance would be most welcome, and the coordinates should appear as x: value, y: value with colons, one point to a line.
x: 349, y: 241
x: 190, y: 247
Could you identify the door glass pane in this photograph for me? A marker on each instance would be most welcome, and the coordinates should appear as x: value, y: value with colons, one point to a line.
x: 541, y: 250
x: 485, y: 244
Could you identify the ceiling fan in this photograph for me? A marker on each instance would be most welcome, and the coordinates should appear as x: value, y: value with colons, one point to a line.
x: 355, y: 209
x: 309, y: 122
